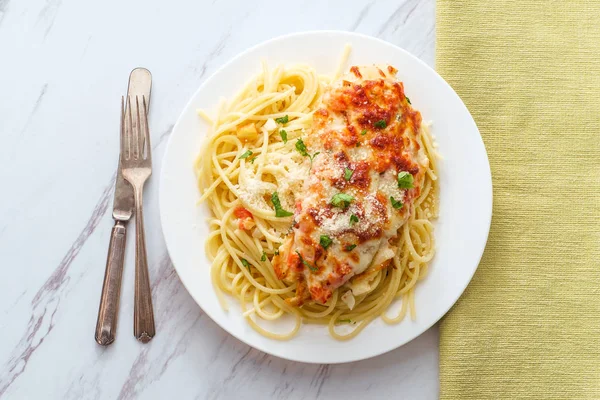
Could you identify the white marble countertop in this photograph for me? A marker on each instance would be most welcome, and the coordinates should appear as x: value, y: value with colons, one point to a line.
x: 63, y: 67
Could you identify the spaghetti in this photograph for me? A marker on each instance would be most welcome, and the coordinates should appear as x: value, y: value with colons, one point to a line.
x: 244, y: 160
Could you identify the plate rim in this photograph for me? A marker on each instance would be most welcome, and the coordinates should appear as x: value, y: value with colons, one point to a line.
x: 162, y: 179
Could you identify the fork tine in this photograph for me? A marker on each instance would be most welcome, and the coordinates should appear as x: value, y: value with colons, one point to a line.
x: 138, y: 132
x: 146, y: 131
x: 129, y: 132
x: 122, y: 133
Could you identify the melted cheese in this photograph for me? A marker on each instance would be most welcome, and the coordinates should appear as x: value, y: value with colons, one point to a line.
x: 366, y: 125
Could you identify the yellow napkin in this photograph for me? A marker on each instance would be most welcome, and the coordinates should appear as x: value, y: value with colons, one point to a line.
x: 528, y: 325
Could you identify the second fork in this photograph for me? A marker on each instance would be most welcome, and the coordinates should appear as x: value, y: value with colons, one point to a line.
x: 136, y: 159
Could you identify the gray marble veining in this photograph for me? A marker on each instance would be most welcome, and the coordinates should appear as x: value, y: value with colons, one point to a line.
x: 63, y: 68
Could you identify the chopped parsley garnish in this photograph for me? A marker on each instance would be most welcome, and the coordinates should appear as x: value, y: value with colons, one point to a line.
x: 405, y: 180
x: 344, y: 321
x: 264, y: 256
x: 380, y: 124
x: 325, y: 241
x: 396, y: 203
x: 283, y: 135
x: 276, y: 252
x: 245, y: 263
x: 253, y: 159
x: 342, y: 200
x: 314, y: 269
x: 282, y: 120
x: 246, y: 154
x: 353, y: 219
x: 407, y: 99
x: 350, y: 247
x: 348, y: 173
x: 279, y: 212
x: 301, y: 147
x: 363, y: 132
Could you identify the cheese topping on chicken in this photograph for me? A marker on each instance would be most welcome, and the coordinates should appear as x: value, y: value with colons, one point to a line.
x: 360, y: 188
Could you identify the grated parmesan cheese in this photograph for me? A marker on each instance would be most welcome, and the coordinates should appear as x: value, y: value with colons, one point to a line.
x: 361, y: 153
x: 339, y: 222
x: 252, y: 190
x: 388, y: 185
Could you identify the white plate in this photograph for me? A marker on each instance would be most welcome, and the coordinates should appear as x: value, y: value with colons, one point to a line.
x: 465, y: 191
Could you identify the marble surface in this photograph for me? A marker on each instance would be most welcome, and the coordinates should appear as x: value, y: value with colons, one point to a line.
x: 63, y: 66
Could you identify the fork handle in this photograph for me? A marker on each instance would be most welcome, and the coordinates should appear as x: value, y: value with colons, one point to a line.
x: 106, y: 326
x: 143, y: 314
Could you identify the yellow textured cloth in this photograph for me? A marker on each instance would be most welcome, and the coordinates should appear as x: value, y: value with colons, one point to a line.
x: 528, y: 325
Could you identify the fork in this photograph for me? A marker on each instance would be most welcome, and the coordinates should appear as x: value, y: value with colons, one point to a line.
x: 136, y: 159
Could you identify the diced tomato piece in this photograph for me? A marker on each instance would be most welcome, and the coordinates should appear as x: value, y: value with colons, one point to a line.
x: 242, y: 213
